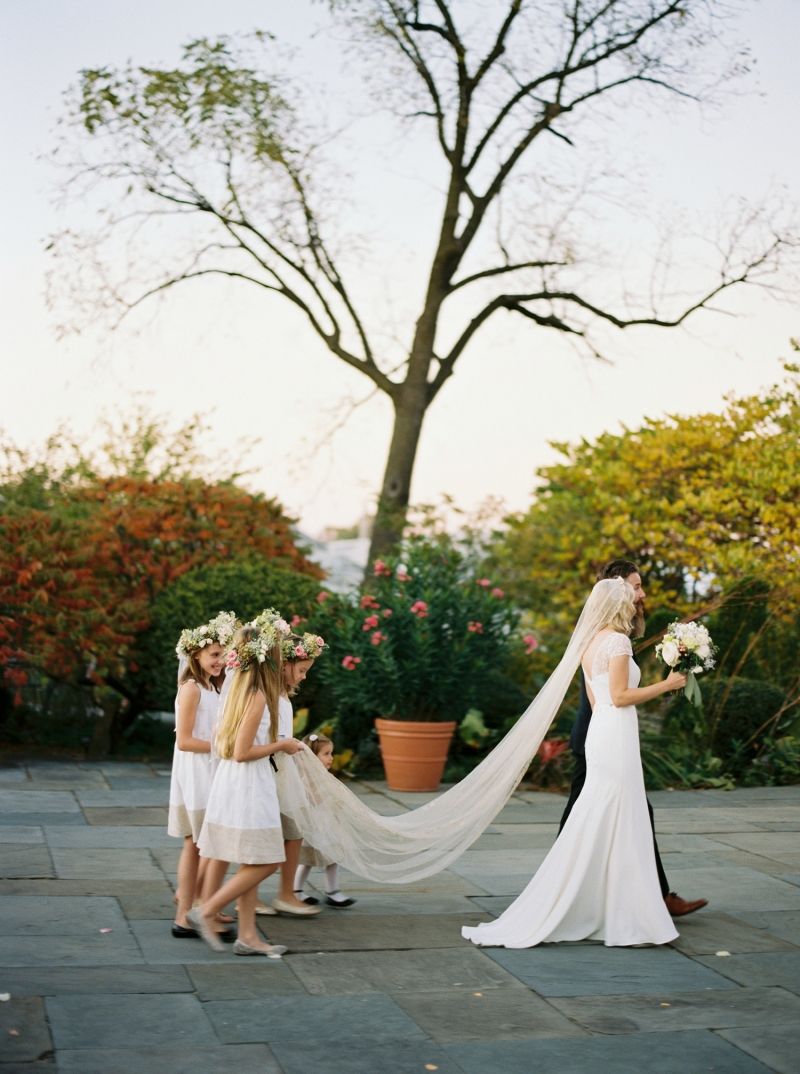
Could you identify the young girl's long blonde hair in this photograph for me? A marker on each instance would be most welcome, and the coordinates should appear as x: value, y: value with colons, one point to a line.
x: 251, y: 678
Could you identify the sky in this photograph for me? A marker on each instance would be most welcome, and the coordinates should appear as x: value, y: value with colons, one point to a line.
x: 254, y: 369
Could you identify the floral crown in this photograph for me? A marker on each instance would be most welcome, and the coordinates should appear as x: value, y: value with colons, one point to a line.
x: 270, y: 629
x: 309, y: 647
x: 218, y: 630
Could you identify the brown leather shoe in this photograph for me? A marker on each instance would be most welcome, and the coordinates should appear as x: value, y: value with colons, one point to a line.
x: 679, y: 907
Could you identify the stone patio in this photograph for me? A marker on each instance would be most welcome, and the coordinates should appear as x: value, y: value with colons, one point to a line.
x: 92, y: 982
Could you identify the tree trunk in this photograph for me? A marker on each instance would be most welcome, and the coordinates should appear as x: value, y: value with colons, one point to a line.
x: 410, y: 406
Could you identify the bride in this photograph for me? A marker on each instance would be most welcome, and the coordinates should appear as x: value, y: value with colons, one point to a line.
x: 599, y: 880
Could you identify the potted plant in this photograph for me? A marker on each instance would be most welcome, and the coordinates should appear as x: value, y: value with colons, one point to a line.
x: 413, y: 649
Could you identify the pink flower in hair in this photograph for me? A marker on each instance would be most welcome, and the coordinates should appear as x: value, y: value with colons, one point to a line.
x: 300, y: 652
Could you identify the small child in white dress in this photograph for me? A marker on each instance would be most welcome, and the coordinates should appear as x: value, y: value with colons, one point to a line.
x: 310, y: 857
x: 299, y: 653
x: 201, y: 672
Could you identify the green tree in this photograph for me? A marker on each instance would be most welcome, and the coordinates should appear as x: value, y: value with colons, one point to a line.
x: 700, y: 502
x: 219, y: 149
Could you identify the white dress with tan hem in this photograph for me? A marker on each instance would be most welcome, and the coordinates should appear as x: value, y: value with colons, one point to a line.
x: 243, y: 820
x: 192, y: 773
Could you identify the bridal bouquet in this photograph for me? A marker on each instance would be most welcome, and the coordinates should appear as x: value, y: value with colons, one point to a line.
x: 688, y: 647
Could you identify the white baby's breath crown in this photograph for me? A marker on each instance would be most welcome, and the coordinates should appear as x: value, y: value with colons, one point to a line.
x: 218, y: 630
x: 255, y: 649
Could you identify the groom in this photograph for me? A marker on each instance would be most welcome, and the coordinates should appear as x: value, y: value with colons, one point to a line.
x: 629, y: 572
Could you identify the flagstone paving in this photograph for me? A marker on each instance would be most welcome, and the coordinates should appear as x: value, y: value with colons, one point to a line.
x: 92, y: 982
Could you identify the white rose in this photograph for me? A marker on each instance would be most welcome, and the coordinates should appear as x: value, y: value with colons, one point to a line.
x: 704, y: 651
x: 669, y: 653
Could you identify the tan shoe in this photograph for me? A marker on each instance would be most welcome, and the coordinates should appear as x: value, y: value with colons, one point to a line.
x: 679, y: 907
x: 293, y: 909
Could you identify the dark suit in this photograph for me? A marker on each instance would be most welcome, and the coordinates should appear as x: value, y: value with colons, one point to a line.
x: 577, y: 741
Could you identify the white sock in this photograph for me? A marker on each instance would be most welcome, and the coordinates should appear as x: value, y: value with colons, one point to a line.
x: 300, y: 878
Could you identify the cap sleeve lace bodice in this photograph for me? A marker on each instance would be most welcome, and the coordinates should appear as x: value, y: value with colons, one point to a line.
x: 609, y: 646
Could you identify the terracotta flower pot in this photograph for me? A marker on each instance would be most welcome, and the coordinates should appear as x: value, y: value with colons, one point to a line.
x: 414, y: 753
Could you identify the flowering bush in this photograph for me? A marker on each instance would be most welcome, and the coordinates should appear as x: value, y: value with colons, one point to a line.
x: 421, y: 641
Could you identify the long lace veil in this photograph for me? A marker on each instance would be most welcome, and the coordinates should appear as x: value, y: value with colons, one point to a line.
x: 426, y: 840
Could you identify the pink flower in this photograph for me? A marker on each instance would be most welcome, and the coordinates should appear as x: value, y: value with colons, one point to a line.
x: 322, y: 596
x: 420, y: 609
x: 370, y: 622
x: 484, y: 582
x: 351, y: 662
x: 300, y: 652
x: 386, y: 613
x: 368, y: 601
x: 232, y: 661
x: 475, y: 627
x: 320, y: 641
x: 530, y: 643
x: 296, y: 620
x: 401, y: 575
x: 377, y: 638
x: 380, y: 568
x: 498, y: 593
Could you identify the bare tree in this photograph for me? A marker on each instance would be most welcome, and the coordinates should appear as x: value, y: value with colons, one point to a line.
x: 217, y: 149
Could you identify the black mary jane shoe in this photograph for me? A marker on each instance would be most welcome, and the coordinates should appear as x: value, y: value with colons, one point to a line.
x: 181, y: 933
x: 309, y: 900
x: 339, y: 903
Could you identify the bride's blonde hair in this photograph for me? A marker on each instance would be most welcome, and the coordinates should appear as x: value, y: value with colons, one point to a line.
x: 622, y: 610
x: 251, y: 678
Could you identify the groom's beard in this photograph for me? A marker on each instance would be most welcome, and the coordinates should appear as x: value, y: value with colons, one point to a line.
x: 637, y: 627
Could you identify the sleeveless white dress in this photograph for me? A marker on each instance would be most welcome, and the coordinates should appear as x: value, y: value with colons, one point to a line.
x: 192, y: 773
x: 243, y: 822
x: 599, y: 880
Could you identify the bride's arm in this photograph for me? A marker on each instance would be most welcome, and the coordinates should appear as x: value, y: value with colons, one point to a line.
x: 623, y: 695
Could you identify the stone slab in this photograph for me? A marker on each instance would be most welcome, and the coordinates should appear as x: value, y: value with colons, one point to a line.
x: 210, y: 1059
x: 160, y: 948
x: 666, y: 1011
x: 339, y: 1019
x: 23, y: 1030
x: 31, y: 801
x: 403, y: 1057
x: 109, y: 949
x: 251, y: 978
x: 688, y: 1053
x: 94, y: 980
x: 134, y: 864
x: 780, y: 968
x: 582, y: 969
x: 354, y: 972
x: 516, y: 837
x: 708, y: 821
x: 776, y: 1047
x: 15, y: 833
x: 126, y: 1021
x: 44, y: 915
x: 731, y: 887
x: 12, y: 775
x: 146, y: 795
x: 111, y: 838
x: 113, y: 816
x: 336, y: 931
x: 707, y: 932
x: 782, y: 923
x: 388, y: 903
x: 30, y: 818
x: 136, y: 890
x: 489, y: 883
x: 496, y: 1014
x: 765, y: 844
x: 18, y: 860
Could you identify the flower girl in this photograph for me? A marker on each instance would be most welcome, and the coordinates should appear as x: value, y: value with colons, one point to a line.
x: 299, y: 653
x: 242, y: 822
x: 322, y: 747
x: 201, y: 671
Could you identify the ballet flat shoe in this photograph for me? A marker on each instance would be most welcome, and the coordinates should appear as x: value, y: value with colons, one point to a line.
x: 275, y: 952
x: 199, y: 923
x: 262, y: 910
x: 295, y: 911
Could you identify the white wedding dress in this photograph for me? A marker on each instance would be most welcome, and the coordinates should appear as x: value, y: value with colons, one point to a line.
x: 599, y: 880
